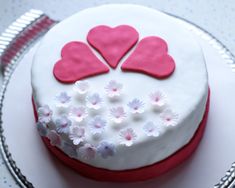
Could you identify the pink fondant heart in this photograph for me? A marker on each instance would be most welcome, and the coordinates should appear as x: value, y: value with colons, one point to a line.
x: 113, y: 43
x: 77, y: 62
x: 150, y: 57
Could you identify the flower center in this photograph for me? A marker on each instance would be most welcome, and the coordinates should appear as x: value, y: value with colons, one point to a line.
x: 64, y: 100
x: 168, y: 119
x: 89, y: 149
x: 106, y: 148
x: 128, y: 137
x: 47, y: 113
x: 64, y: 125
x: 118, y: 116
x: 97, y: 125
x: 114, y: 89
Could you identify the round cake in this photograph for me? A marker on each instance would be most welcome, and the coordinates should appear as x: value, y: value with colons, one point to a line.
x: 120, y: 92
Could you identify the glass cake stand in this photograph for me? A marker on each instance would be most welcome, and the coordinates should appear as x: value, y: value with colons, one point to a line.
x: 17, y: 45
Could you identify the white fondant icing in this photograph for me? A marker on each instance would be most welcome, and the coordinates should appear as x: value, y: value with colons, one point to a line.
x: 186, y: 89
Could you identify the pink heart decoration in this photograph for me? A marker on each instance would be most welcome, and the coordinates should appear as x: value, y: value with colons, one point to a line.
x: 112, y: 43
x: 77, y: 62
x: 150, y: 57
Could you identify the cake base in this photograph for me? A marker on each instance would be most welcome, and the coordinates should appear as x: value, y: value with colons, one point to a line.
x: 132, y: 175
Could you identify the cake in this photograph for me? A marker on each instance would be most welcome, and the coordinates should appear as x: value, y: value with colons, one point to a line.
x: 120, y: 92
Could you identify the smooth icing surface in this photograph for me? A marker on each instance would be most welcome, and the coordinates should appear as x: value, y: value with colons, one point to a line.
x: 128, y: 144
x: 150, y: 57
x: 113, y: 43
x: 77, y: 62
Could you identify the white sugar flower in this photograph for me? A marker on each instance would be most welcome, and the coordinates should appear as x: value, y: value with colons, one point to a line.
x: 70, y: 149
x: 63, y: 99
x: 169, y: 117
x: 158, y: 99
x: 87, y: 151
x: 54, y: 138
x: 106, y: 149
x: 117, y: 114
x: 42, y: 128
x: 44, y: 114
x: 81, y: 87
x: 63, y: 124
x: 127, y: 136
x: 97, y: 125
x: 77, y: 134
x: 136, y: 106
x: 94, y: 101
x: 113, y: 88
x: 151, y: 129
x: 78, y: 113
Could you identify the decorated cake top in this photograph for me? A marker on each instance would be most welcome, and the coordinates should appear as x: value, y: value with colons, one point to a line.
x: 109, y: 79
x: 84, y: 117
x: 150, y: 56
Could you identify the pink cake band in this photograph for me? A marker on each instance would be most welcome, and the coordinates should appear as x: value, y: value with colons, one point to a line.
x: 138, y: 174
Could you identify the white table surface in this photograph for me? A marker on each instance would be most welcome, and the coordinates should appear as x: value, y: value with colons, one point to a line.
x: 215, y: 16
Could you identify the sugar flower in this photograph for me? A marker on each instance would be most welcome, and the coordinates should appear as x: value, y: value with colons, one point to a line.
x: 94, y: 101
x: 127, y: 136
x: 69, y: 149
x: 54, y: 138
x: 42, y: 129
x: 63, y: 124
x: 136, y: 106
x: 78, y: 113
x: 97, y: 125
x: 76, y: 134
x: 44, y: 114
x: 158, y: 99
x: 87, y: 151
x: 152, y: 129
x: 63, y: 99
x: 169, y: 117
x: 81, y: 87
x: 106, y: 149
x: 117, y: 114
x: 113, y: 88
